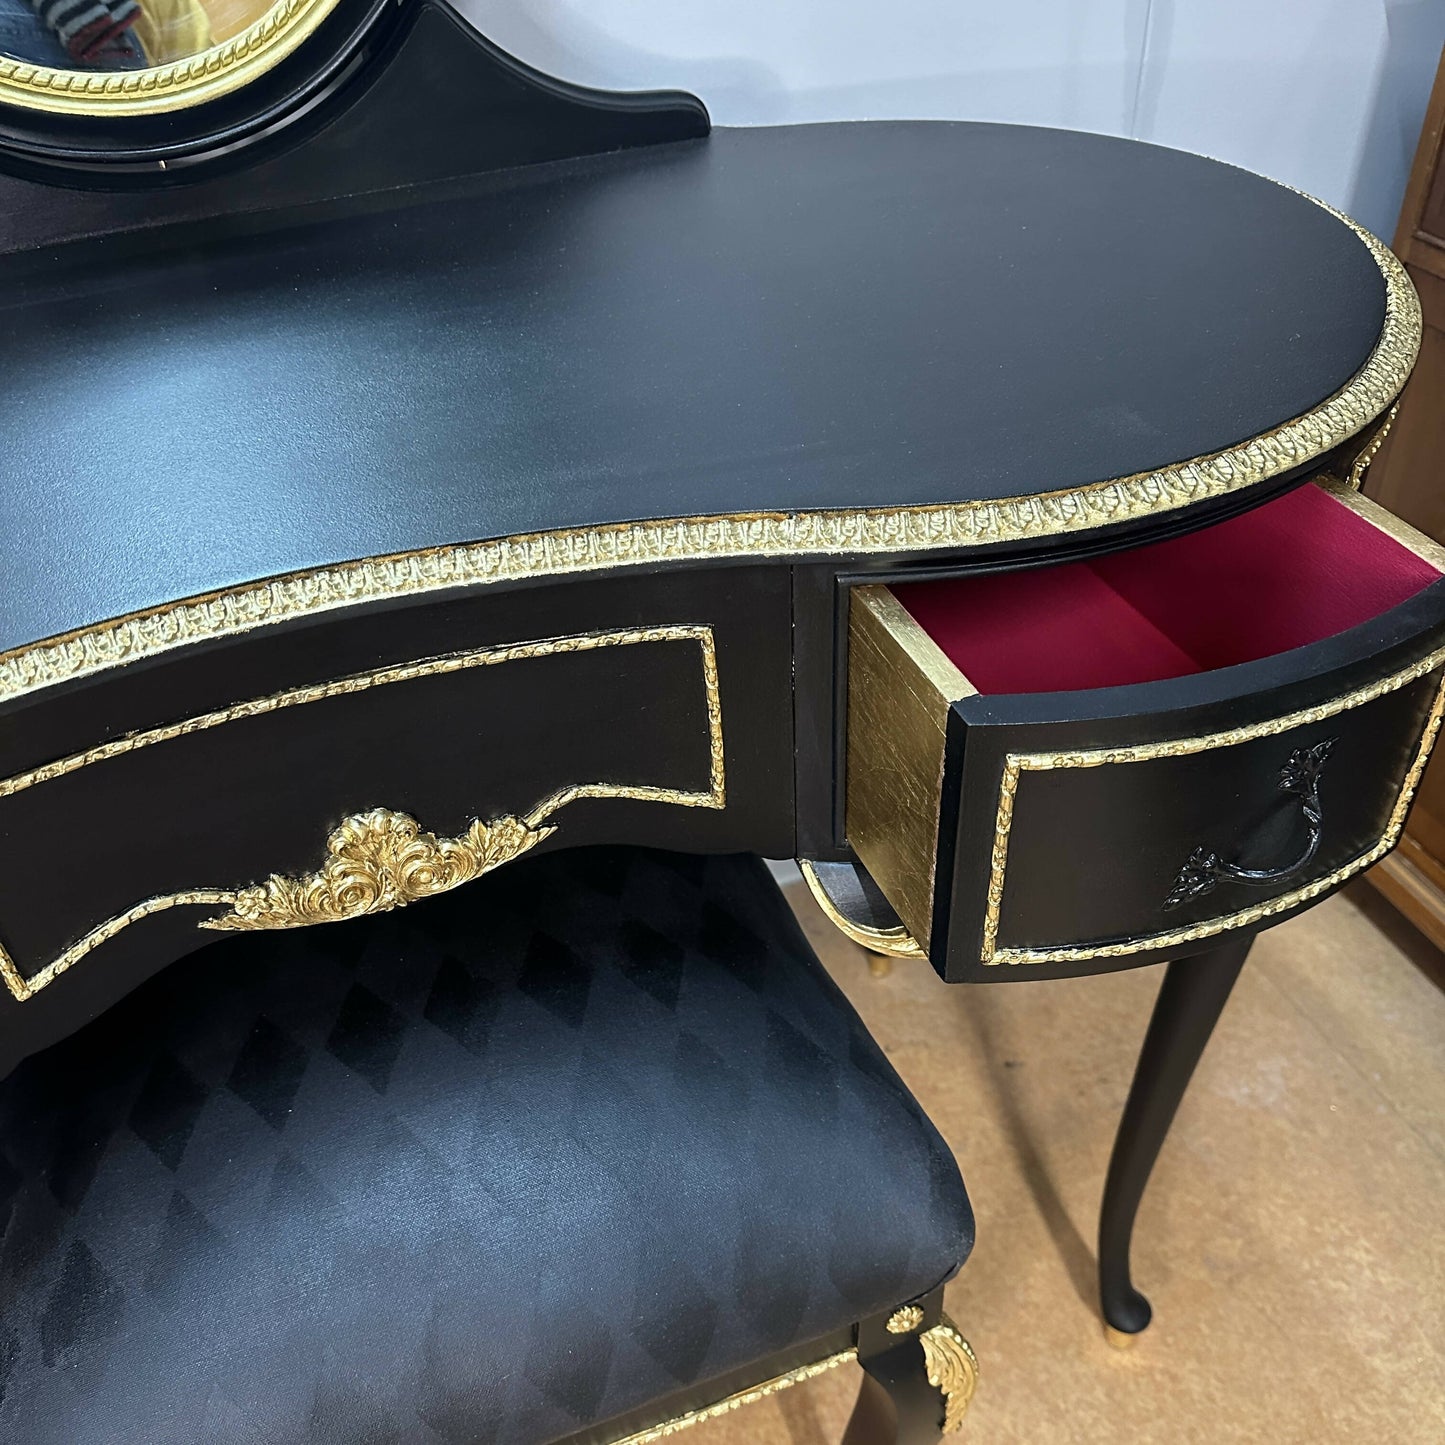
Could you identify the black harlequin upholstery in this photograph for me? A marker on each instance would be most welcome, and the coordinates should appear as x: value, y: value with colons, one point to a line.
x: 489, y: 1169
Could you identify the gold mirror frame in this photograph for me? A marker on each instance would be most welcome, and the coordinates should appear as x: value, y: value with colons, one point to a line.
x: 178, y: 83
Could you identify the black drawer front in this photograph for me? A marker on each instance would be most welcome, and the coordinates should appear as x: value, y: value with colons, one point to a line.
x: 653, y: 720
x: 1073, y: 853
x: 196, y: 815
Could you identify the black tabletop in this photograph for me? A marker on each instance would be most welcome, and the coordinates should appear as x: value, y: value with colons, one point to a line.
x: 813, y: 317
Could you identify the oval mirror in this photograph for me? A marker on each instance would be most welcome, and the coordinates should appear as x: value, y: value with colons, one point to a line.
x: 141, y: 57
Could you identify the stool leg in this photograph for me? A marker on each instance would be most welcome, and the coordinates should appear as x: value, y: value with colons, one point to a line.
x: 1190, y: 1001
x: 916, y: 1386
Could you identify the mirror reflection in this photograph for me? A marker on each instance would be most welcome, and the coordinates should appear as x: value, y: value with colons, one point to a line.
x: 100, y: 35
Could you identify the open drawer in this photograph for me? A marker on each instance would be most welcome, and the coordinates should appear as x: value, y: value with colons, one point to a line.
x: 1083, y: 766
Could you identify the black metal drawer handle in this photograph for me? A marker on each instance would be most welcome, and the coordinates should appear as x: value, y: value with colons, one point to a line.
x: 1205, y: 869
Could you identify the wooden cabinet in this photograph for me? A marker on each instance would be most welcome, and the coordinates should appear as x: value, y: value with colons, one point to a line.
x: 1408, y: 477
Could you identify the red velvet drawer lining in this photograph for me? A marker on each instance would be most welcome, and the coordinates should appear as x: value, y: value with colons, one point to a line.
x: 1298, y: 569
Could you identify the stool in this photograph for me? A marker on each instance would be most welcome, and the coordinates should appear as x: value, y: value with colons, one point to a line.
x: 592, y: 1144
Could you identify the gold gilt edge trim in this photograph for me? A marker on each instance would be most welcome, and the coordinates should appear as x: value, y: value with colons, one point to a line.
x: 277, y: 894
x: 895, y: 942
x: 745, y: 536
x: 1018, y: 763
x: 213, y: 72
x: 949, y: 1360
x: 1367, y: 454
x: 737, y: 1401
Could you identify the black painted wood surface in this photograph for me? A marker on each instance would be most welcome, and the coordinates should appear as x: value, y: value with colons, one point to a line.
x: 831, y: 316
x: 1191, y: 998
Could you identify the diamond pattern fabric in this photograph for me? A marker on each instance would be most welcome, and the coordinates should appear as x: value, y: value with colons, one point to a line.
x: 487, y: 1170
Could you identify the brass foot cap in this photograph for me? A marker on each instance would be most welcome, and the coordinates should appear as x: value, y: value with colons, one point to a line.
x: 879, y: 965
x: 1121, y: 1339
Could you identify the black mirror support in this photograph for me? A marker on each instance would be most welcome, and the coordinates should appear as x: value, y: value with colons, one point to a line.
x: 420, y: 97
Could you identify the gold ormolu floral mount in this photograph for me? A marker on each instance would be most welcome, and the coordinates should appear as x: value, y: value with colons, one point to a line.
x: 952, y: 1370
x: 378, y: 861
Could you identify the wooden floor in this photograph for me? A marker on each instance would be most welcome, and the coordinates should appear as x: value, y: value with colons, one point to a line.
x: 1293, y: 1241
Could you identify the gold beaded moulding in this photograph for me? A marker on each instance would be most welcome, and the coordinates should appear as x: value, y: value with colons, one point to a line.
x: 949, y: 1361
x: 949, y: 526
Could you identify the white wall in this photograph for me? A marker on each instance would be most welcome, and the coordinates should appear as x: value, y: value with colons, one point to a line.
x: 1325, y: 94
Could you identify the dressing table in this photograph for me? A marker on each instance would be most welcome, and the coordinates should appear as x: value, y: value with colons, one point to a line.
x: 414, y: 462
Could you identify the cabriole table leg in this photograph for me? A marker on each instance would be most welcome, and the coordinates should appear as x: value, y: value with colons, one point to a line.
x: 1190, y: 1001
